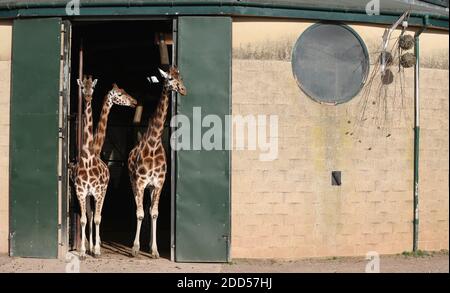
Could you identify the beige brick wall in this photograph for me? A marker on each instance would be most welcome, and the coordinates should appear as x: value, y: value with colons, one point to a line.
x: 434, y: 161
x: 5, y: 73
x: 287, y: 208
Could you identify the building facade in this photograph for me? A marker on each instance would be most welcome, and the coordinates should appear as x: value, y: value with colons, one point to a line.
x: 341, y: 178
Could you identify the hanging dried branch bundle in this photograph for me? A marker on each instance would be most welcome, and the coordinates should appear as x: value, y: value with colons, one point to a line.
x: 406, y: 42
x: 388, y: 58
x: 407, y: 60
x: 387, y: 77
x: 383, y: 103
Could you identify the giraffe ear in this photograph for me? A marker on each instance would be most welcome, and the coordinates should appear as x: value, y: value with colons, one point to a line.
x: 115, y: 86
x: 79, y: 83
x: 94, y: 82
x: 163, y: 73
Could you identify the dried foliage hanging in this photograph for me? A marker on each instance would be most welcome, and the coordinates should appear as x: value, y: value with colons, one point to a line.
x: 383, y: 105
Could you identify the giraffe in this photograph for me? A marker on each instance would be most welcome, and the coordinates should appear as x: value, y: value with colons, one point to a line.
x: 147, y: 160
x: 91, y: 173
x: 116, y: 96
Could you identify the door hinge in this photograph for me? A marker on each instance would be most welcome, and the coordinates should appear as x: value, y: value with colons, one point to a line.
x: 11, y: 234
x: 227, y: 243
x: 11, y: 243
x: 60, y: 132
x: 63, y: 28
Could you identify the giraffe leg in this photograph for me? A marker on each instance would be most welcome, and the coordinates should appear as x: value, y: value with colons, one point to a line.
x: 90, y: 217
x: 97, y: 221
x: 154, y: 215
x: 139, y: 197
x: 83, y: 222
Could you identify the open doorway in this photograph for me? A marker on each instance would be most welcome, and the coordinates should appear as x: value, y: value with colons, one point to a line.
x: 125, y: 53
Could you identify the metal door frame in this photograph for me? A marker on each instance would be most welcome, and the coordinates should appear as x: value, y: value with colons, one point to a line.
x: 173, y: 154
x: 64, y: 182
x: 64, y: 138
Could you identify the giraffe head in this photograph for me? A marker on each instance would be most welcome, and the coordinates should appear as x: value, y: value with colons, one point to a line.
x: 173, y: 80
x: 87, y: 87
x: 120, y: 97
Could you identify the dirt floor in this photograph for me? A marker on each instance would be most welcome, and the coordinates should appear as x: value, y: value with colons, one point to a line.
x: 117, y: 260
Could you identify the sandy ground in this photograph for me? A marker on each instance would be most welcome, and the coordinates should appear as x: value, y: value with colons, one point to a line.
x: 116, y: 261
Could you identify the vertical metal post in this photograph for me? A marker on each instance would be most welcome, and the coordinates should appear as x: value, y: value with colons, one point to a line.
x: 416, y: 144
x: 173, y: 157
x: 417, y: 133
x: 79, y: 135
x: 80, y: 103
x: 63, y: 185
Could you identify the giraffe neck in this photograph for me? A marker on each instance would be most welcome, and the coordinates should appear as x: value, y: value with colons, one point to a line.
x: 87, y: 128
x: 100, y: 134
x: 156, y: 126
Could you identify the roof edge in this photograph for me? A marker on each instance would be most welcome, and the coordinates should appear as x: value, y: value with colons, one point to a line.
x: 229, y: 7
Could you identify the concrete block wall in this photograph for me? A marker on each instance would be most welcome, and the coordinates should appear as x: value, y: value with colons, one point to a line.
x: 287, y: 208
x: 5, y: 80
x: 434, y: 161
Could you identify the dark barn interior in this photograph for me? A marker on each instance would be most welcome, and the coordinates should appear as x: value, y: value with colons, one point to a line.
x: 124, y: 53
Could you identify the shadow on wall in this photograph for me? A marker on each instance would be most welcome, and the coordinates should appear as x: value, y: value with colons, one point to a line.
x: 281, y: 50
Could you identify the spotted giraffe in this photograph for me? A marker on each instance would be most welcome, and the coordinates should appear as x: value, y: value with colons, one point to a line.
x: 147, y: 161
x: 116, y: 96
x: 91, y: 174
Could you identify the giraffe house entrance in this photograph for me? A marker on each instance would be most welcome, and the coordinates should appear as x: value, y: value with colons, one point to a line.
x: 124, y: 53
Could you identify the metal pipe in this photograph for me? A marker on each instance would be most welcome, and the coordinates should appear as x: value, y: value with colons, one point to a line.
x: 80, y: 102
x: 79, y: 135
x: 417, y: 132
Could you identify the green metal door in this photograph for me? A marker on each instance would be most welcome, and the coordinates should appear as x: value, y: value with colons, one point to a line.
x: 34, y: 138
x: 202, y: 202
